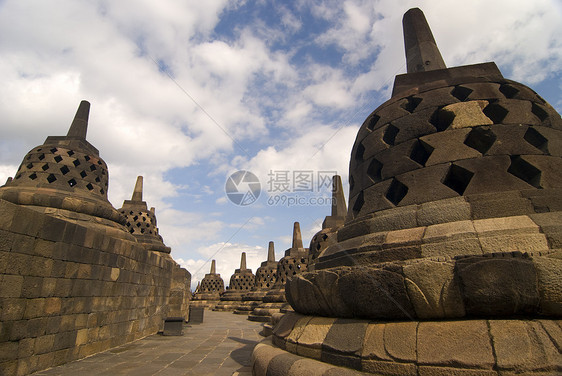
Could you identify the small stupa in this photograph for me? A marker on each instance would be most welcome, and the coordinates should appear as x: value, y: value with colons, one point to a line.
x: 264, y: 281
x: 141, y: 222
x: 241, y: 282
x: 293, y: 263
x: 209, y: 290
x: 328, y: 234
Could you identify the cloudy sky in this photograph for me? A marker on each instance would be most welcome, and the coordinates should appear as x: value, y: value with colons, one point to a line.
x: 187, y: 92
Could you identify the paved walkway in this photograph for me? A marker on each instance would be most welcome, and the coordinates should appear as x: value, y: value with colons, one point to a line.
x: 221, y: 345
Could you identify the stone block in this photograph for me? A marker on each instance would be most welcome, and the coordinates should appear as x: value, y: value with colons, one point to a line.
x: 26, y: 347
x: 455, y: 343
x: 448, y: 371
x: 308, y: 367
x: 12, y: 309
x: 405, y: 236
x: 345, y: 336
x: 8, y: 351
x: 449, y: 210
x: 34, y: 308
x: 281, y: 364
x: 262, y: 355
x: 312, y: 337
x: 44, y: 344
x: 425, y: 185
x: 40, y: 266
x: 64, y: 340
x: 498, y: 286
x: 522, y: 224
x: 549, y: 284
x: 433, y: 289
x: 380, y: 367
x: 11, y: 286
x: 490, y: 206
x: 512, y: 243
x: 400, y: 340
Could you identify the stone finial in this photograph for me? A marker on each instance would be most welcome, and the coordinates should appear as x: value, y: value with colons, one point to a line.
x: 271, y: 252
x: 213, y: 267
x: 243, y: 262
x: 79, y: 125
x: 297, y: 237
x: 153, y: 210
x: 422, y: 54
x: 339, y: 208
x: 137, y: 193
x: 9, y: 180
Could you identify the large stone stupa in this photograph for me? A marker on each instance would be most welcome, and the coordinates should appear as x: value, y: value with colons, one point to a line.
x: 449, y: 262
x: 240, y: 283
x: 209, y: 290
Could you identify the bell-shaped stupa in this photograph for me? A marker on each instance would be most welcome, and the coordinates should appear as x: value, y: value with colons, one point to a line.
x: 141, y: 222
x: 264, y: 281
x: 241, y: 282
x: 210, y: 289
x: 449, y: 261
x: 65, y: 176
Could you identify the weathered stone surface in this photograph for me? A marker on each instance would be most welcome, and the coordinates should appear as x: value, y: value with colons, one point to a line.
x: 498, y: 286
x: 466, y: 114
x: 455, y: 343
x: 400, y: 340
x: 549, y: 274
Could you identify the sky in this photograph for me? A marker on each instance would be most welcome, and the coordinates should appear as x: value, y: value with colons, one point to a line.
x: 186, y: 93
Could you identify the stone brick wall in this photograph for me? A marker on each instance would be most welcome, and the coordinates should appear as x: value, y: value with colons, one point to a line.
x: 180, y: 294
x: 69, y: 289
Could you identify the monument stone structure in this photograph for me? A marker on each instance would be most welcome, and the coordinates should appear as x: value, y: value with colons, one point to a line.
x: 209, y: 290
x: 73, y: 280
x: 240, y: 283
x: 449, y: 262
x: 264, y: 281
x: 293, y: 263
x: 331, y: 224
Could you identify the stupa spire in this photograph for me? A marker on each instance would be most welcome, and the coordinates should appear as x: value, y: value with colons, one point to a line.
x: 339, y: 208
x: 79, y: 125
x: 297, y: 237
x: 271, y: 252
x: 422, y: 54
x: 243, y: 261
x: 213, y: 267
x: 137, y: 193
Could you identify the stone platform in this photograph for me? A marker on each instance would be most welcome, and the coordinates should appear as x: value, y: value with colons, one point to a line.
x: 221, y: 345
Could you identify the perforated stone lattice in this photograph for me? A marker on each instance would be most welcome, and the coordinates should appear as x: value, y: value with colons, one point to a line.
x: 408, y: 135
x: 265, y: 277
x: 65, y: 169
x: 140, y: 222
x: 288, y: 267
x: 241, y: 282
x: 211, y: 283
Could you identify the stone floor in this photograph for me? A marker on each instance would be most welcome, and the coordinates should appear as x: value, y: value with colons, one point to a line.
x: 221, y: 345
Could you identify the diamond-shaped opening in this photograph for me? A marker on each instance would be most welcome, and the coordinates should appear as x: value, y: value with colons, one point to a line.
x: 132, y: 230
x: 411, y: 103
x: 358, y: 204
x: 420, y: 152
x: 70, y: 153
x: 461, y: 92
x: 495, y: 112
x: 72, y: 182
x: 373, y: 122
x: 480, y: 139
x: 29, y: 165
x: 32, y: 176
x: 99, y: 162
x: 51, y: 178
x: 87, y: 157
x: 41, y: 157
x: 83, y: 174
x: 45, y: 167
x: 135, y: 217
x: 508, y: 90
x: 525, y: 171
x: 53, y: 150
x: 539, y: 111
x: 58, y: 158
x: 396, y: 192
x: 38, y: 150
x: 374, y: 170
x: 458, y: 178
x: 390, y: 133
x: 359, y: 152
x: 441, y: 119
x: 102, y: 191
x: 89, y: 186
x: 92, y: 167
x: 76, y: 163
x: 97, y: 179
x: 351, y: 182
x: 536, y: 139
x: 64, y: 170
x: 142, y: 230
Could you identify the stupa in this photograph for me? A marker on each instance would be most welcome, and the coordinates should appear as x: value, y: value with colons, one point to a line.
x: 66, y: 177
x: 241, y: 282
x: 209, y: 290
x: 449, y: 262
x: 327, y: 235
x: 294, y: 262
x: 141, y: 222
x: 264, y: 281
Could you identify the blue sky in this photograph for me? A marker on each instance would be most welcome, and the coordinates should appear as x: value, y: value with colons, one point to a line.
x: 187, y: 92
